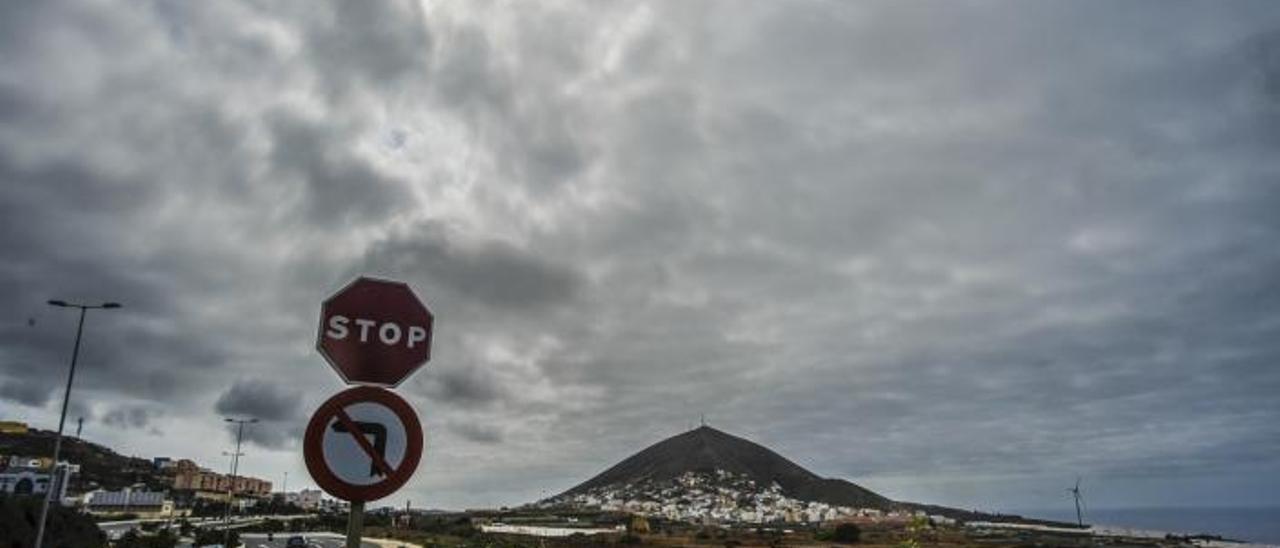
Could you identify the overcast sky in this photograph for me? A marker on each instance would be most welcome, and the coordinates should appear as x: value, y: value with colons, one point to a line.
x: 955, y: 252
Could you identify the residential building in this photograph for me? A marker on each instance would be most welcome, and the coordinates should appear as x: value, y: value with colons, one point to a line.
x: 307, y: 499
x: 35, y: 463
x: 187, y: 475
x: 128, y: 501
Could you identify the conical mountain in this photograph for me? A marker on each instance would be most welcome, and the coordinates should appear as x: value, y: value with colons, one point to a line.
x: 707, y: 450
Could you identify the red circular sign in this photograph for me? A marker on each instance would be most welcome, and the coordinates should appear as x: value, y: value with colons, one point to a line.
x: 375, y: 332
x: 345, y: 462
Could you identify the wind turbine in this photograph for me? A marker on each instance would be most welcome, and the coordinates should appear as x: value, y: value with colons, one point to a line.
x: 1075, y: 493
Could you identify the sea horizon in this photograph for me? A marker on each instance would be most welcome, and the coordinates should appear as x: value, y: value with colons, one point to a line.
x: 1255, y: 524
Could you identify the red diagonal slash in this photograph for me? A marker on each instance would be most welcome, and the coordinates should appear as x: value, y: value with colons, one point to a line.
x: 355, y: 432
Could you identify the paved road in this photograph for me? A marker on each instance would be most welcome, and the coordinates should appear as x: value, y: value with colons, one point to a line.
x: 117, y: 528
x: 249, y: 540
x: 314, y: 540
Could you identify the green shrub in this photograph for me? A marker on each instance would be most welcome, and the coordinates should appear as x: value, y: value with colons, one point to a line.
x: 65, y: 526
x: 205, y: 537
x: 846, y: 532
x: 132, y: 539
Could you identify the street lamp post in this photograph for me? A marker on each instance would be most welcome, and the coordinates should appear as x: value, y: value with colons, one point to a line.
x: 235, y: 466
x: 66, y: 397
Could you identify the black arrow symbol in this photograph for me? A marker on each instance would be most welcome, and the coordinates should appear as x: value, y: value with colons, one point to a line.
x: 379, y: 433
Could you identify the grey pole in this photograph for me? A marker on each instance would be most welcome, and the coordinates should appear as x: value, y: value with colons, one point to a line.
x: 62, y: 421
x: 355, y: 524
x: 231, y: 484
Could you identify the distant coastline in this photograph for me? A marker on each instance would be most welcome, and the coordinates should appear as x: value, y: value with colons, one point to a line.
x: 1251, y: 524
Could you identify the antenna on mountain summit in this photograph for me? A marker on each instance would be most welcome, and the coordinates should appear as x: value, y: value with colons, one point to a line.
x: 703, y: 419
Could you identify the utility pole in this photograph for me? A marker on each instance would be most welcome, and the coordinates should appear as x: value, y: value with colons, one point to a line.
x: 66, y: 398
x: 79, y: 426
x: 231, y: 483
x: 284, y: 492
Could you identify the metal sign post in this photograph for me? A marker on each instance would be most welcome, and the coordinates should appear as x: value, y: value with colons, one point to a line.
x: 355, y: 524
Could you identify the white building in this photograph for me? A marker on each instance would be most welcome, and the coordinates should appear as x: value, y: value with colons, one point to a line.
x: 24, y: 481
x: 32, y: 481
x: 307, y: 499
x: 128, y: 501
x: 19, y: 461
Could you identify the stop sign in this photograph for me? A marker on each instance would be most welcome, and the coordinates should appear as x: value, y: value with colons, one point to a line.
x: 375, y: 332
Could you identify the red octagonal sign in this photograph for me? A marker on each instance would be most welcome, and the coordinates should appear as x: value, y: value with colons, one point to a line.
x: 375, y: 332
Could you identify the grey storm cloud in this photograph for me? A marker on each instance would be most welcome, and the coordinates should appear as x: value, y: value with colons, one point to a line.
x: 273, y: 436
x: 340, y: 186
x: 496, y: 273
x: 466, y: 387
x: 479, y: 433
x: 952, y: 252
x: 277, y: 408
x: 130, y: 417
x: 353, y: 48
x: 26, y: 393
x: 259, y: 399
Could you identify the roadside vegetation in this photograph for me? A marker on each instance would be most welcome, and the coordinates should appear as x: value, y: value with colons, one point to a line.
x: 66, y: 527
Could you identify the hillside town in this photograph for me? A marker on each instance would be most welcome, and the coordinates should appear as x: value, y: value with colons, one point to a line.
x: 721, y: 497
x: 164, y: 488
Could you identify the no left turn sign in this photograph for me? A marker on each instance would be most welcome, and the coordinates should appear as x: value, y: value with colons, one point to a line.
x: 363, y: 444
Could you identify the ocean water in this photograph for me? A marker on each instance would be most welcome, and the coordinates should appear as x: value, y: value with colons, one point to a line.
x: 1260, y: 525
